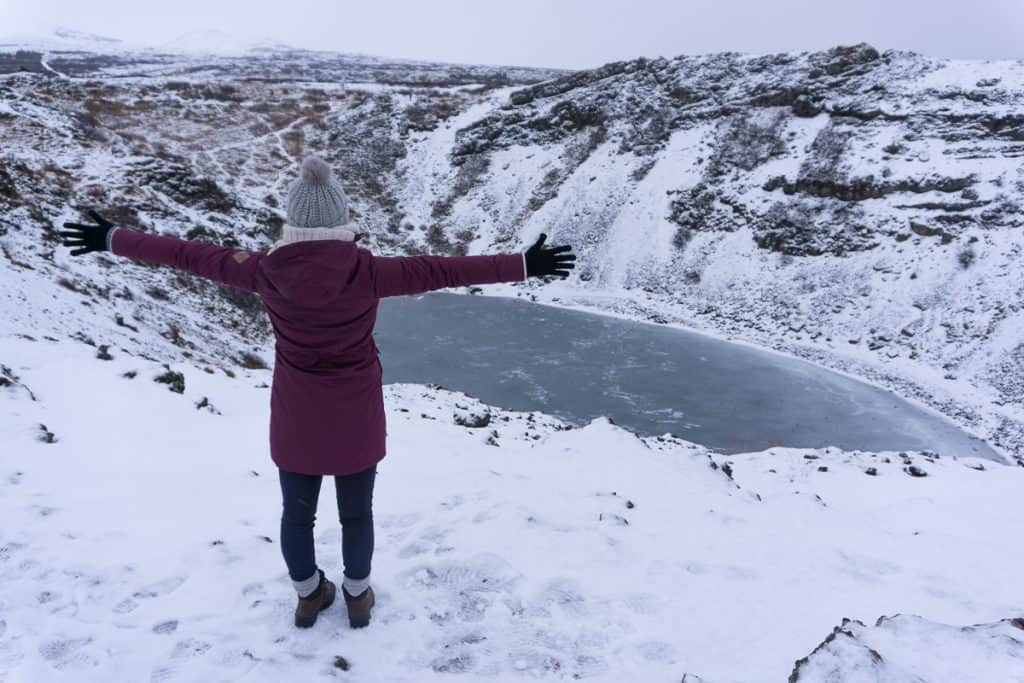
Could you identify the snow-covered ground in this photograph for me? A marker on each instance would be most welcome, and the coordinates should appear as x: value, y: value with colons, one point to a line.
x: 140, y: 543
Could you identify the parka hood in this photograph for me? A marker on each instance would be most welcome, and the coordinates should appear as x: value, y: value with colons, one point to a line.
x: 311, y: 273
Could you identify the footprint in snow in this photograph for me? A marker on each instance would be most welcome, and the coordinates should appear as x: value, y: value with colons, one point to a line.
x: 67, y: 654
x: 463, y: 591
x: 395, y: 615
x: 166, y: 627
x: 460, y: 654
x: 190, y: 647
x: 563, y: 595
x: 163, y: 673
x: 865, y: 567
x: 413, y: 549
x: 274, y: 609
x: 432, y: 539
x: 483, y: 573
x: 485, y: 516
x: 452, y: 502
x: 159, y: 588
x: 399, y: 521
x: 644, y: 603
x: 254, y: 589
x: 125, y: 606
x: 588, y: 666
x: 537, y: 663
x: 45, y: 510
x: 9, y: 549
x: 435, y: 534
x: 26, y: 566
x: 455, y: 663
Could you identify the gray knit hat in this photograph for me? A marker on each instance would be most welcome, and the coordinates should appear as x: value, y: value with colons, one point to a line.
x: 316, y: 199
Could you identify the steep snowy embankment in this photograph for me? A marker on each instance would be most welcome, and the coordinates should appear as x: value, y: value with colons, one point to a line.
x: 140, y: 543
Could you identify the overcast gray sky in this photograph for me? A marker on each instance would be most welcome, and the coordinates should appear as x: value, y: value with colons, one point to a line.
x: 566, y: 33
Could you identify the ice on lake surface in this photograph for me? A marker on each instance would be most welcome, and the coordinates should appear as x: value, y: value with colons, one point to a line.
x: 649, y: 378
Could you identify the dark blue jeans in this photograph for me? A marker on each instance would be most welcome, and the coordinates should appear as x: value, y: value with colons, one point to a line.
x: 355, y: 510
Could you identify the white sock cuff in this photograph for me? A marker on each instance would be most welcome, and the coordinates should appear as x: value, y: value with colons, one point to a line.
x: 304, y: 588
x: 355, y: 587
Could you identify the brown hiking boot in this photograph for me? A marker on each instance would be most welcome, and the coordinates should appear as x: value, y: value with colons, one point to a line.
x: 315, y: 603
x: 359, y: 608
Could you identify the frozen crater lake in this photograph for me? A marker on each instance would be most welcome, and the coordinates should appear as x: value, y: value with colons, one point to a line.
x: 649, y: 378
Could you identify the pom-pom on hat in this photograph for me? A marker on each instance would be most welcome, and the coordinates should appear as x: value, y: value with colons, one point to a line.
x: 316, y: 199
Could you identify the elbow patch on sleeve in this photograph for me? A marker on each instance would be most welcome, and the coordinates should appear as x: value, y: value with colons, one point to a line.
x: 240, y: 256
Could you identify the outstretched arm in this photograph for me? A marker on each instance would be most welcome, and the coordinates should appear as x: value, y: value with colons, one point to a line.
x: 235, y: 267
x: 400, y: 275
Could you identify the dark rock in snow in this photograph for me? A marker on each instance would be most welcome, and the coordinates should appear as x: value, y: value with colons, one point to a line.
x: 204, y: 404
x: 473, y: 420
x: 175, y: 381
x: 45, y: 435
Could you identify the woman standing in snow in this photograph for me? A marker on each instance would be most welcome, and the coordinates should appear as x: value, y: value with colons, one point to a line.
x: 327, y: 404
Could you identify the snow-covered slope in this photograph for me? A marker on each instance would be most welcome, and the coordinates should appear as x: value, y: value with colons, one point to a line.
x: 859, y: 209
x: 909, y: 649
x: 140, y: 543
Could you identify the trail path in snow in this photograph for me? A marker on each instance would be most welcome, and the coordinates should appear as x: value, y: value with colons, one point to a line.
x: 46, y: 65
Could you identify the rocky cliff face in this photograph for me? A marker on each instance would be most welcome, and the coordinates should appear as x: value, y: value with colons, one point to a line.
x: 861, y: 209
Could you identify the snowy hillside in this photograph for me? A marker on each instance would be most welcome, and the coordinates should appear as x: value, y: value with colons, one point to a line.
x: 140, y: 544
x: 863, y: 210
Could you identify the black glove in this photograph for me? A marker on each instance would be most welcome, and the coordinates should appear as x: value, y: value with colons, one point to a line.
x: 87, y: 237
x: 554, y: 261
